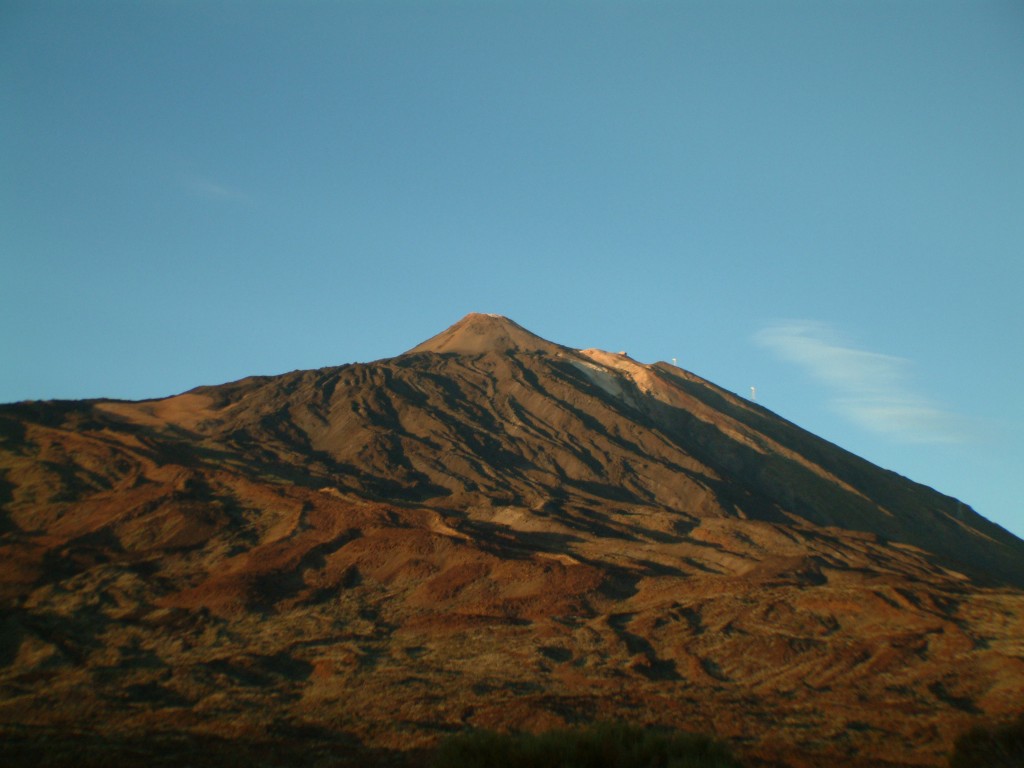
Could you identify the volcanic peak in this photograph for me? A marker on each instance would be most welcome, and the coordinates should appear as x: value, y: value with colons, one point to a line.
x: 478, y: 333
x: 497, y: 532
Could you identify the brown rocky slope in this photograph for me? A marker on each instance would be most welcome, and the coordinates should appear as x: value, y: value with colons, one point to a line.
x: 491, y: 530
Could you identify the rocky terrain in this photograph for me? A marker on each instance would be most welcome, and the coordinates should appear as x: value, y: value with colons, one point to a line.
x: 489, y: 531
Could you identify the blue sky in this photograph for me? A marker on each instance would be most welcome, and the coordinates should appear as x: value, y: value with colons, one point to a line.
x: 824, y: 200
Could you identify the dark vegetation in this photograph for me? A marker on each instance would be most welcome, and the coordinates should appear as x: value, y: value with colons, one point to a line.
x: 22, y: 747
x: 1000, y: 746
x: 604, y: 745
x: 598, y: 746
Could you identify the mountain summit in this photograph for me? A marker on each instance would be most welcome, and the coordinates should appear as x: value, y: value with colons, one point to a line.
x: 477, y: 333
x: 490, y: 530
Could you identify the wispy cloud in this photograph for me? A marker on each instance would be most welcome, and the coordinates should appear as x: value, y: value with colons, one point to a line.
x: 210, y: 189
x: 869, y: 388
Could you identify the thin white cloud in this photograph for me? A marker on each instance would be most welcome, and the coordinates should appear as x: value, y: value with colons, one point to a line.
x: 209, y: 189
x: 870, y: 389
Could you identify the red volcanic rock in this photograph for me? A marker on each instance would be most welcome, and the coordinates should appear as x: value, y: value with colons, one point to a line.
x: 490, y: 530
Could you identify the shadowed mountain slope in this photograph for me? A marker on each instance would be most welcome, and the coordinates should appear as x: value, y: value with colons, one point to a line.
x: 492, y: 530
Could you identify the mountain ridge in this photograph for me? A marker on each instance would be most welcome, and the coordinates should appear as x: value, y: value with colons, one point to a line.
x: 663, y: 395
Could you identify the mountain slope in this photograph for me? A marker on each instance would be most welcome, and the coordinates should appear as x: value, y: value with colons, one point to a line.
x: 492, y: 530
x: 488, y: 414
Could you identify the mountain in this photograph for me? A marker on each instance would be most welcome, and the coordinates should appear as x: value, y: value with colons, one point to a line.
x: 490, y: 530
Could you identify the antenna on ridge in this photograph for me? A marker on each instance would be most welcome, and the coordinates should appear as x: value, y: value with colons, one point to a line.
x: 753, y: 394
x: 675, y: 363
